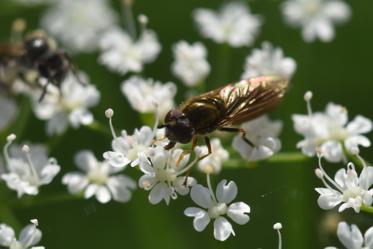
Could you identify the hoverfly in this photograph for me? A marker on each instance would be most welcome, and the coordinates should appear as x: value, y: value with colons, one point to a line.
x: 222, y: 108
x: 35, y: 53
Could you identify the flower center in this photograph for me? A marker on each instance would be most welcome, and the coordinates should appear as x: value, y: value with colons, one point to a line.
x: 97, y: 176
x: 312, y: 7
x: 166, y: 175
x: 353, y: 192
x: 15, y: 245
x: 218, y: 210
x: 134, y: 152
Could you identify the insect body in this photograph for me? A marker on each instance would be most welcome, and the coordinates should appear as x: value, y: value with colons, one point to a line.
x: 35, y: 53
x: 223, y: 108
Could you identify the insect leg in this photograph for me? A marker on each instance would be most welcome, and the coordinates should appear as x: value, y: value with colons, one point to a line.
x: 186, y: 152
x: 209, y: 149
x: 73, y: 67
x: 241, y: 131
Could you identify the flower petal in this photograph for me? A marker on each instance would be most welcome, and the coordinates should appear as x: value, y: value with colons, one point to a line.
x: 75, y: 181
x: 201, y: 196
x: 226, y: 192
x: 30, y: 236
x: 158, y: 193
x: 366, y: 177
x: 201, y: 218
x: 238, y: 212
x: 120, y: 187
x: 350, y: 237
x: 328, y: 198
x: 103, y: 194
x: 116, y: 159
x: 222, y: 229
x: 7, y: 235
x: 368, y: 238
x: 360, y: 125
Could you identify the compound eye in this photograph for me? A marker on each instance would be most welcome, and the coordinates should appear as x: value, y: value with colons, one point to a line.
x: 36, y: 47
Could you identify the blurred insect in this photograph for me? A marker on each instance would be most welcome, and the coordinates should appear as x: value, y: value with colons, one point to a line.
x: 223, y: 108
x: 36, y: 57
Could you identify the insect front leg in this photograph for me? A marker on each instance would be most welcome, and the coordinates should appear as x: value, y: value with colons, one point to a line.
x: 209, y: 149
x: 186, y: 152
x: 239, y: 130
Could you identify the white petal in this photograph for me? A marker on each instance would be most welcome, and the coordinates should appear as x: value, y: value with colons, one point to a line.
x: 30, y: 236
x: 340, y: 178
x: 180, y: 186
x: 350, y: 237
x: 103, y: 194
x: 328, y: 198
x: 120, y: 187
x: 368, y: 238
x: 201, y: 218
x: 222, y: 229
x: 116, y: 159
x: 238, y: 212
x: 76, y: 182
x: 158, y: 193
x: 332, y: 151
x: 147, y: 181
x: 360, y: 125
x: 85, y: 160
x: 7, y: 235
x: 226, y: 192
x: 48, y: 173
x: 353, y: 142
x: 201, y: 196
x: 90, y: 190
x: 366, y: 177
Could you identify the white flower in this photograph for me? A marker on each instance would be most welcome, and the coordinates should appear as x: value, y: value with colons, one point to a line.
x: 162, y: 174
x: 347, y: 188
x: 351, y: 237
x: 8, y: 111
x: 329, y: 131
x: 99, y: 179
x: 147, y: 95
x: 263, y: 134
x: 316, y: 18
x: 128, y: 148
x: 67, y: 106
x: 268, y: 61
x: 234, y: 24
x: 28, y: 169
x: 190, y: 63
x: 120, y: 53
x: 28, y: 238
x: 213, y: 163
x: 216, y: 208
x: 78, y: 24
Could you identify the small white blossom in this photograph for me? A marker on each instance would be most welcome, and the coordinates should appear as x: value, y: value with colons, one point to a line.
x: 67, y: 106
x: 162, y: 174
x: 268, y: 61
x: 28, y: 238
x: 147, y: 95
x: 213, y: 163
x: 316, y: 18
x: 120, y: 53
x: 28, y: 169
x: 190, y: 65
x: 330, y: 130
x: 128, y: 148
x: 8, y: 111
x: 215, y: 208
x: 347, y: 188
x: 352, y: 238
x: 234, y: 24
x: 263, y: 134
x: 78, y: 24
x: 99, y: 179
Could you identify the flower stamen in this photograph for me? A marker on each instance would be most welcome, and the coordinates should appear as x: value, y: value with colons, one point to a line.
x: 109, y: 113
x: 278, y: 227
x: 26, y: 150
x: 10, y: 140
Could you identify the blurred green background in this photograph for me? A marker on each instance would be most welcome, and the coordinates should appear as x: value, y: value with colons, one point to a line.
x: 340, y: 71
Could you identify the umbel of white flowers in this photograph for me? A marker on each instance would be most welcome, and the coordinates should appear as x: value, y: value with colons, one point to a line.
x: 28, y: 169
x: 28, y: 238
x: 330, y: 131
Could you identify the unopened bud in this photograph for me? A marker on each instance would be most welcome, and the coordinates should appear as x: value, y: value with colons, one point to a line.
x: 308, y: 96
x: 11, y: 137
x: 277, y: 226
x: 109, y: 113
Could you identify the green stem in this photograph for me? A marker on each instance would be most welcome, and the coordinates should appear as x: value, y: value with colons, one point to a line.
x: 8, y: 217
x: 283, y: 157
x: 367, y: 209
x: 147, y: 118
x: 42, y: 201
